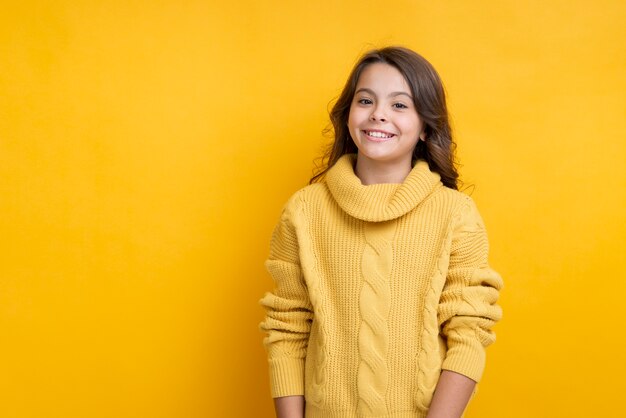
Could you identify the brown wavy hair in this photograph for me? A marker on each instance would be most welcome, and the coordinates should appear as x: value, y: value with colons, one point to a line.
x: 430, y: 102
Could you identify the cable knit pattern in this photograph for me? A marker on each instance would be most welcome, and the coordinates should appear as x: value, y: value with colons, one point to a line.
x: 378, y: 288
x: 317, y: 370
x: 374, y: 303
x: 428, y: 360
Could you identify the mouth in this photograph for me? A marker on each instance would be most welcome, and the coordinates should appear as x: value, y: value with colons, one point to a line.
x: 378, y: 135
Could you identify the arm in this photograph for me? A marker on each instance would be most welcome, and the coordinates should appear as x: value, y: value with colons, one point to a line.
x: 451, y: 396
x: 467, y: 311
x: 289, y: 312
x: 289, y: 406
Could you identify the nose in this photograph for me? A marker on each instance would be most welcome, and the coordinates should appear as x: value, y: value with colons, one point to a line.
x: 377, y: 114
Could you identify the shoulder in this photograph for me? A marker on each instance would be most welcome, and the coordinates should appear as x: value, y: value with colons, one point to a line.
x: 465, y: 211
x: 301, y: 198
x: 306, y: 195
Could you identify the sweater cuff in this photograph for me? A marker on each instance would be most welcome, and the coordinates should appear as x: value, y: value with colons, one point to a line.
x: 468, y: 360
x: 286, y: 376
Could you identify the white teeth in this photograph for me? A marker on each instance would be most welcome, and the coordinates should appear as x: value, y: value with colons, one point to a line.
x: 379, y: 135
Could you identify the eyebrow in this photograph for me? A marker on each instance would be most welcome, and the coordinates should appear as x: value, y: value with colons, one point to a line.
x: 393, y: 94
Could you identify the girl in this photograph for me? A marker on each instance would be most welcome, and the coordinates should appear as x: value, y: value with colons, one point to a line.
x: 384, y: 298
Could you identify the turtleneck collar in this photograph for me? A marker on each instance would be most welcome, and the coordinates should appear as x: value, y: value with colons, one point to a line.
x: 382, y: 201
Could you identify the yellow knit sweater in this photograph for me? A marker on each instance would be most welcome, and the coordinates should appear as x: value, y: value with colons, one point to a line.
x: 377, y: 289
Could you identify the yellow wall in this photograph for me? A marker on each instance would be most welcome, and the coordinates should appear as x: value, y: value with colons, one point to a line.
x: 146, y: 148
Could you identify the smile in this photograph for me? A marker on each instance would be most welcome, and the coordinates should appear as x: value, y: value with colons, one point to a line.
x: 378, y: 135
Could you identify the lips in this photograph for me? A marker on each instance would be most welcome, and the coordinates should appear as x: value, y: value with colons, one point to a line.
x: 378, y: 135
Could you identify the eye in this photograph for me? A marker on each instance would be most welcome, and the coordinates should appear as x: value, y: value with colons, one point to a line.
x: 365, y: 101
x: 400, y: 106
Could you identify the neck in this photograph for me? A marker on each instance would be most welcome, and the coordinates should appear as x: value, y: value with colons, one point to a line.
x: 374, y: 172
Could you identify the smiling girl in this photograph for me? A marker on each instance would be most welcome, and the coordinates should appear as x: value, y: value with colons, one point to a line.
x: 384, y: 300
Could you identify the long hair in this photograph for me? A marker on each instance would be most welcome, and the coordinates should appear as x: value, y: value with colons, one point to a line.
x: 430, y: 102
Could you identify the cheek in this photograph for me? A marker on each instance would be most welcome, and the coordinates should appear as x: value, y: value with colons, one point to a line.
x: 357, y: 117
x: 412, y: 124
x: 353, y: 119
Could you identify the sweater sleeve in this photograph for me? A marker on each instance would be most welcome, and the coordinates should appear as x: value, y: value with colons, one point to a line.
x: 289, y: 312
x: 468, y: 305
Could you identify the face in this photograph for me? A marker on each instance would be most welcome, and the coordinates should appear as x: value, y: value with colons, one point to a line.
x: 383, y: 121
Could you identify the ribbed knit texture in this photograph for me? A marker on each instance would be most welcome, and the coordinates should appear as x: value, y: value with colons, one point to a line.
x: 378, y: 288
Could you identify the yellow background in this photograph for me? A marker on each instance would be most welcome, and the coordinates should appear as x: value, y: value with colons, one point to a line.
x: 146, y: 148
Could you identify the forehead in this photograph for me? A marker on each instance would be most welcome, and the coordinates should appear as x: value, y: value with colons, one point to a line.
x: 383, y: 77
